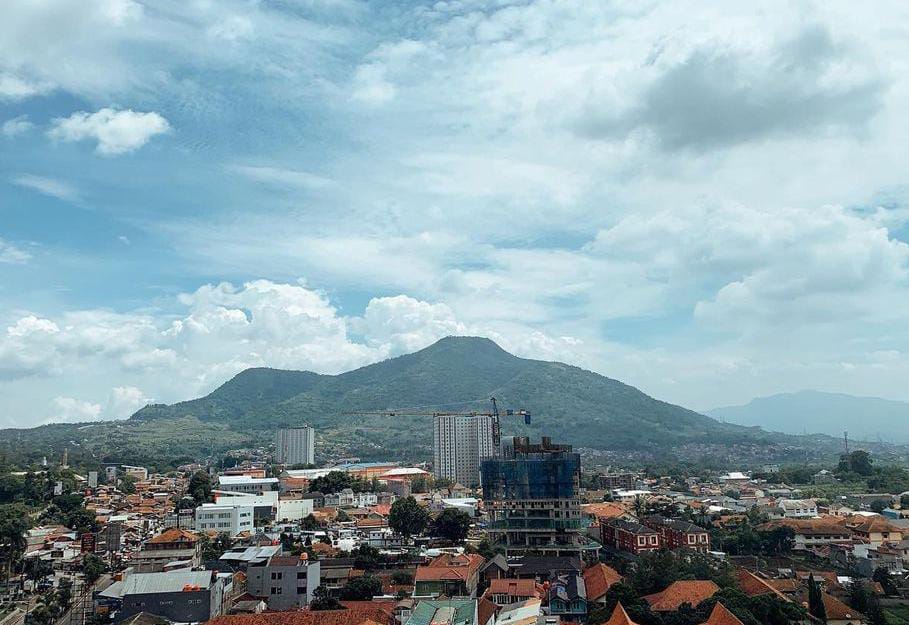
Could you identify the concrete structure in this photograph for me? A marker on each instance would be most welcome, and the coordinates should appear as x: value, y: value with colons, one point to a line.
x: 798, y: 508
x: 291, y: 509
x: 173, y: 548
x: 531, y: 494
x: 460, y: 444
x: 283, y: 582
x: 230, y: 519
x: 245, y: 485
x: 180, y: 596
x: 295, y: 445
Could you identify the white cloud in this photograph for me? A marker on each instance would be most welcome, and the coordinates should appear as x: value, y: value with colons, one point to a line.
x: 16, y: 126
x: 11, y: 254
x: 69, y: 409
x: 279, y: 176
x: 15, y: 88
x: 117, y: 132
x: 124, y: 401
x: 48, y: 186
x: 403, y: 324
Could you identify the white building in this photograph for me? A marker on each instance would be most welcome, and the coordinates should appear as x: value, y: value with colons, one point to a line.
x: 798, y: 508
x: 293, y: 509
x: 295, y: 445
x: 224, y: 518
x: 460, y: 444
x: 247, y: 485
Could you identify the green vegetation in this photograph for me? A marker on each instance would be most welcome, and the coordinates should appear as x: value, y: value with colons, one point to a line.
x: 336, y: 481
x: 451, y: 525
x: 407, y: 517
x: 655, y: 572
x: 362, y: 588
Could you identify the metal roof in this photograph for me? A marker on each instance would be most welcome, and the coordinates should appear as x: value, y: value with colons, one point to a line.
x: 172, y: 581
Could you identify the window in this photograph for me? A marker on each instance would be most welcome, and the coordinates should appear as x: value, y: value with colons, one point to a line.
x: 301, y: 590
x: 301, y: 574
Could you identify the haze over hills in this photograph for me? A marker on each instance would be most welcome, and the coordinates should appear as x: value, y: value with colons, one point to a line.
x: 815, y: 412
x: 569, y: 404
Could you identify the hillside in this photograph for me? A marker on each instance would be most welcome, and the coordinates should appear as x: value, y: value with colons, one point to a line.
x: 456, y: 373
x: 610, y: 421
x: 814, y: 412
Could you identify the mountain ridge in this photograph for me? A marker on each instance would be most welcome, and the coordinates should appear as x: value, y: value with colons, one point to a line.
x: 822, y: 412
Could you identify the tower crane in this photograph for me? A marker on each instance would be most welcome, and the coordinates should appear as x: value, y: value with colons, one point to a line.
x: 494, y: 414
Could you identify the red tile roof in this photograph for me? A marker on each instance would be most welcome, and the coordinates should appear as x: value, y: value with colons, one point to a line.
x: 683, y: 591
x: 619, y: 617
x: 722, y: 616
x: 352, y: 616
x: 754, y: 586
x: 174, y: 535
x: 450, y: 567
x: 513, y: 587
x: 598, y: 579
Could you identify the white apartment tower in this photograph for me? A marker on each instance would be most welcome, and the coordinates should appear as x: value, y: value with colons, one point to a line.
x: 296, y: 446
x: 460, y: 443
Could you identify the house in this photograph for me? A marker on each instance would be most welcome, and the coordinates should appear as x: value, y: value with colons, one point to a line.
x: 681, y: 592
x: 873, y: 529
x: 523, y: 613
x: 283, y: 582
x: 619, y: 617
x: 180, y: 596
x: 373, y: 613
x: 444, y: 612
x: 544, y: 568
x: 504, y: 591
x: 171, y: 546
x: 449, y: 575
x: 720, y: 615
x: 808, y: 533
x: 838, y: 613
x: 598, y: 579
x: 798, y: 508
x: 755, y: 586
x: 629, y: 536
x: 568, y: 598
x: 230, y: 519
x: 677, y: 534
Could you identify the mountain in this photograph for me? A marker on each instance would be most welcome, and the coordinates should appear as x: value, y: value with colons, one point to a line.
x: 868, y: 418
x: 608, y: 420
x: 456, y: 373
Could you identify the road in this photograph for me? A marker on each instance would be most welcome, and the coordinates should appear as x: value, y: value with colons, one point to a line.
x: 82, y: 605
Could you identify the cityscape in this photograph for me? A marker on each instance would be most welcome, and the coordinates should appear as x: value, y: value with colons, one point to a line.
x: 454, y: 312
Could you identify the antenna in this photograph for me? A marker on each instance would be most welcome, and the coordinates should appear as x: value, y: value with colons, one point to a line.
x: 846, y: 442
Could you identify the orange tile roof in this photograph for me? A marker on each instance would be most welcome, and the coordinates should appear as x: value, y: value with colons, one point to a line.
x: 722, y: 616
x: 173, y: 535
x: 838, y: 611
x: 598, y: 579
x: 351, y: 616
x: 450, y: 567
x: 513, y: 587
x: 604, y: 510
x: 486, y: 609
x: 754, y: 586
x: 619, y: 617
x: 683, y: 591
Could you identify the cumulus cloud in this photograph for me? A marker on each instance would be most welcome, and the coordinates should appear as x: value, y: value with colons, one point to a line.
x: 16, y: 126
x: 11, y: 254
x: 117, y: 132
x: 47, y: 186
x: 69, y: 409
x: 403, y: 324
x: 124, y: 401
x: 719, y: 96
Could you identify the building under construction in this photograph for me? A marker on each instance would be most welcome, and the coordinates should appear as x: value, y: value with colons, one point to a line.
x: 531, y: 492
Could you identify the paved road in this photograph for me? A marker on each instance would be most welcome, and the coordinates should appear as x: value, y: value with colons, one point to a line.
x: 82, y: 605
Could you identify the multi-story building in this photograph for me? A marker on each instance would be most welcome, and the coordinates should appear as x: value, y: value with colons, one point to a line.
x: 630, y: 536
x: 178, y: 596
x: 169, y: 548
x: 531, y: 493
x: 296, y: 445
x: 460, y: 444
x: 678, y: 534
x: 245, y: 485
x: 283, y: 582
x: 230, y: 519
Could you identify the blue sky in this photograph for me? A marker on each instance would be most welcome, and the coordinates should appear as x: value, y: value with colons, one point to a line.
x: 707, y: 202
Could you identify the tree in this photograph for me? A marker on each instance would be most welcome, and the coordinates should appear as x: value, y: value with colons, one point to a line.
x: 858, y: 461
x: 335, y: 482
x: 128, y: 484
x: 92, y: 568
x: 200, y: 487
x: 13, y: 525
x: 451, y: 525
x: 310, y: 524
x: 882, y: 576
x: 815, y: 600
x: 878, y: 505
x: 402, y: 578
x: 362, y: 588
x: 322, y: 600
x: 407, y: 517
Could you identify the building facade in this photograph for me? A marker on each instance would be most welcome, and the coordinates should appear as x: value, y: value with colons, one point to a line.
x: 460, y: 444
x: 531, y: 493
x: 283, y: 582
x: 228, y: 519
x: 296, y: 445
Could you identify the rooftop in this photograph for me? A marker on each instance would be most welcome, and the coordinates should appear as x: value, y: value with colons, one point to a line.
x: 683, y: 591
x: 172, y: 581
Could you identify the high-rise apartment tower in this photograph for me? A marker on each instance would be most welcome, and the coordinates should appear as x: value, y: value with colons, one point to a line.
x: 295, y: 446
x: 459, y: 444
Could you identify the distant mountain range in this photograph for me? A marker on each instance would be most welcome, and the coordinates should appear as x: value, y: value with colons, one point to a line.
x: 814, y: 412
x: 571, y: 405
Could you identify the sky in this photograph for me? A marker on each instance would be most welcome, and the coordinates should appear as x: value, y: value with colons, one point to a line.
x: 708, y: 201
